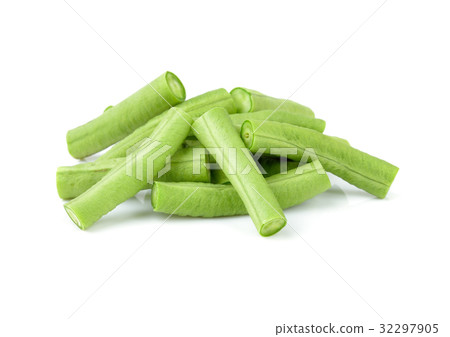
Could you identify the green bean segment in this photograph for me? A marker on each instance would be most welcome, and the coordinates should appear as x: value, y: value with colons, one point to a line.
x: 356, y: 167
x: 212, y: 200
x: 195, y: 107
x: 120, y: 120
x: 248, y: 100
x: 215, y: 130
x: 140, y: 168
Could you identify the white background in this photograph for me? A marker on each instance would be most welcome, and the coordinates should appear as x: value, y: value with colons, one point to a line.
x: 386, y: 90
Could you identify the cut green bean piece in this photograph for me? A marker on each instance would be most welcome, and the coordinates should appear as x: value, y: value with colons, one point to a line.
x: 195, y: 107
x: 248, y: 100
x: 215, y: 130
x: 356, y: 167
x: 72, y: 181
x: 120, y: 120
x: 280, y: 116
x: 212, y: 200
x: 140, y: 168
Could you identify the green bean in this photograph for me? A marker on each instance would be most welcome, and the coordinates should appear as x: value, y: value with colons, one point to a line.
x: 72, y: 181
x: 195, y: 107
x: 120, y: 120
x: 248, y: 100
x: 280, y: 116
x: 133, y: 175
x: 356, y: 167
x: 215, y: 130
x: 212, y: 200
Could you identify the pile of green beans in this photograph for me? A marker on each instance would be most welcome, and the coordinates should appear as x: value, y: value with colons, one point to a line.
x: 217, y: 154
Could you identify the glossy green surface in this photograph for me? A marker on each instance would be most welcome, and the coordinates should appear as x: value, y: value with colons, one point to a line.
x: 118, y: 121
x: 195, y: 107
x: 215, y: 130
x: 126, y: 179
x: 212, y: 200
x: 356, y: 167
